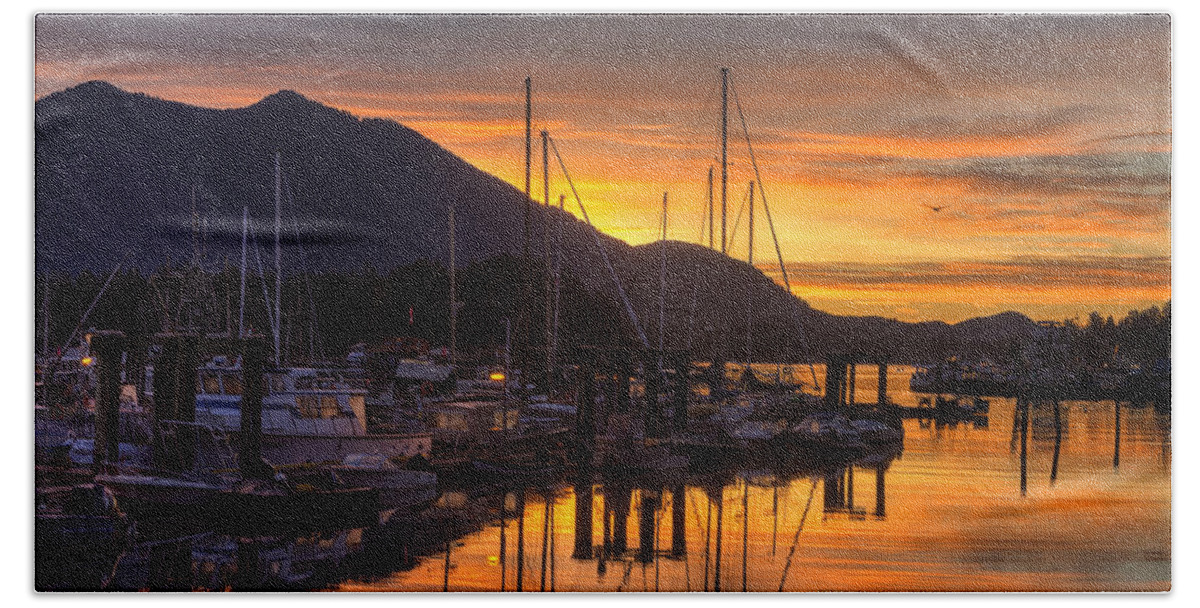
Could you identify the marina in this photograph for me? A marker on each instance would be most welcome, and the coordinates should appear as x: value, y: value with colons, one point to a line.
x: 321, y: 352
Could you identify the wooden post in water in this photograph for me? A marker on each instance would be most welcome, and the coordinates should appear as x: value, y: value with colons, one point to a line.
x: 175, y: 399
x: 882, y: 398
x: 1024, y: 445
x: 605, y: 531
x: 835, y: 378
x: 653, y: 383
x: 850, y: 487
x: 108, y: 346
x: 707, y: 538
x: 503, y: 540
x: 253, y: 390
x: 520, y: 538
x: 1117, y: 434
x: 647, y: 507
x: 745, y: 528
x: 717, y: 561
x: 681, y: 390
x: 880, y: 490
x: 852, y: 373
x: 446, y: 567
x: 545, y: 538
x: 622, y: 494
x: 1057, y: 442
x: 678, y: 521
x: 583, y: 517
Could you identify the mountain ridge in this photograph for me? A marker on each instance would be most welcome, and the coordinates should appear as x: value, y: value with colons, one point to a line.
x: 117, y: 171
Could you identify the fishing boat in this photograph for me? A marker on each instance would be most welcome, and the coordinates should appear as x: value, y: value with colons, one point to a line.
x: 309, y: 415
x: 399, y: 488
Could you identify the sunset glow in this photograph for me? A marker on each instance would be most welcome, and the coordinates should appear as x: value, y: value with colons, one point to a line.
x: 1045, y: 142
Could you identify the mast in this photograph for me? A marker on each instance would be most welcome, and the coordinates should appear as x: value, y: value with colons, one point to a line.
x: 546, y: 250
x: 242, y: 286
x: 750, y: 260
x: 528, y: 152
x: 278, y: 268
x: 453, y: 294
x: 710, y: 207
x: 724, y: 149
x: 45, y: 318
x: 662, y: 284
x: 557, y: 280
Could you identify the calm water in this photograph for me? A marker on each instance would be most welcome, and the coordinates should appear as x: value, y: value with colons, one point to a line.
x: 951, y: 517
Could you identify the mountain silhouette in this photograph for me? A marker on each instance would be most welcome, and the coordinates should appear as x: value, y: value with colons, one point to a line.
x: 122, y: 175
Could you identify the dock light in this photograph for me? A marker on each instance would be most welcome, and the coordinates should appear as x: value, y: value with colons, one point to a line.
x: 86, y: 361
x: 496, y: 376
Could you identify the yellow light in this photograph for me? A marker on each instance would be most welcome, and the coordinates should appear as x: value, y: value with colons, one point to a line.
x: 86, y: 361
x: 497, y: 376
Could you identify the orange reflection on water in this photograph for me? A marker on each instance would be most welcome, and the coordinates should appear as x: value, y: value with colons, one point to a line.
x: 951, y: 518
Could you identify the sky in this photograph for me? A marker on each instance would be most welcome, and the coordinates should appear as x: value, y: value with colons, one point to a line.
x: 921, y: 167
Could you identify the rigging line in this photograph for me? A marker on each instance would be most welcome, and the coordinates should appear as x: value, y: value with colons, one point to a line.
x: 787, y: 565
x: 771, y: 223
x: 312, y: 305
x: 736, y: 222
x: 637, y: 325
x: 266, y: 297
x: 88, y: 312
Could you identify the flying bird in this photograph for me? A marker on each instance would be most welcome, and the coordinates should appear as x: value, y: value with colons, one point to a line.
x: 936, y: 209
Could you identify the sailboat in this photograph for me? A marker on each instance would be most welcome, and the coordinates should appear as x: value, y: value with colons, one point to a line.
x: 310, y: 414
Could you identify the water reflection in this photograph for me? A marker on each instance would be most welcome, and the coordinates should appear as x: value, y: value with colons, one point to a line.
x: 1037, y: 494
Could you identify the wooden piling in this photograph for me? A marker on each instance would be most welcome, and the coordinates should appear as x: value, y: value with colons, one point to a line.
x: 253, y: 390
x: 583, y: 518
x: 1117, y: 435
x: 646, y: 510
x: 1024, y: 446
x: 882, y: 398
x: 108, y: 347
x: 678, y: 521
x: 1057, y: 442
x: 880, y: 490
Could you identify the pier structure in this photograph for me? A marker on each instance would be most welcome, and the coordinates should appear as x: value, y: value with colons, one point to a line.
x: 605, y: 388
x: 108, y: 346
x: 175, y: 401
x: 840, y: 374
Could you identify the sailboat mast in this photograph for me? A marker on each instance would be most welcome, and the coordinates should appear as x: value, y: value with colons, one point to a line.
x: 724, y: 150
x: 557, y: 279
x: 546, y: 250
x: 662, y: 284
x: 242, y: 285
x: 710, y: 207
x: 750, y: 260
x: 46, y: 316
x: 528, y: 153
x: 453, y: 293
x: 278, y: 266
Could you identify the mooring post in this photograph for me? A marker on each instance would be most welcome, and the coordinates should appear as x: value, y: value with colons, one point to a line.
x: 852, y: 373
x: 882, y: 398
x: 253, y: 390
x: 1024, y: 446
x: 647, y: 508
x: 583, y: 516
x: 585, y: 414
x: 880, y: 490
x: 678, y: 521
x: 108, y: 346
x: 622, y: 494
x: 653, y: 383
x: 681, y: 391
x: 835, y: 378
x: 1117, y: 435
